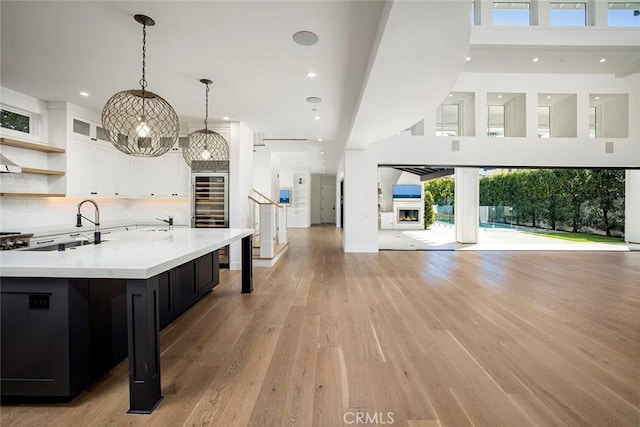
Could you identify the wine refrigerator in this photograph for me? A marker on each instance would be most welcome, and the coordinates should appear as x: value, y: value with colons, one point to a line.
x: 210, y: 204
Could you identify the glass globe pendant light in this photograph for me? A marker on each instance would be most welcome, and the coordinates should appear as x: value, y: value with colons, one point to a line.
x: 139, y: 122
x: 205, y: 144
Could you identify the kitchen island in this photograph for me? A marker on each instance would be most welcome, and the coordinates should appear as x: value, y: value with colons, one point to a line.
x: 54, y: 297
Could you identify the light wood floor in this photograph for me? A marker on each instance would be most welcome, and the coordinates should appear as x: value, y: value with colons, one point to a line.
x: 402, y: 338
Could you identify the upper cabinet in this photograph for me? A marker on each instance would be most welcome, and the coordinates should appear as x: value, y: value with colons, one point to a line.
x: 164, y: 176
x: 97, y: 168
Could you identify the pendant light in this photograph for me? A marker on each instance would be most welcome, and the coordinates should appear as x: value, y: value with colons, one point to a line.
x: 205, y: 144
x: 139, y: 122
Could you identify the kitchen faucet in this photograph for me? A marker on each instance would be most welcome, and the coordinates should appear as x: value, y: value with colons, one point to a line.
x: 168, y: 221
x: 95, y: 222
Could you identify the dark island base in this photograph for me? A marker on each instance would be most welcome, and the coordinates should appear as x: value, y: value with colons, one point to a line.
x: 60, y: 335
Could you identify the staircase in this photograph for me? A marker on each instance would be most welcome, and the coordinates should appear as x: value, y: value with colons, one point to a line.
x: 270, y: 230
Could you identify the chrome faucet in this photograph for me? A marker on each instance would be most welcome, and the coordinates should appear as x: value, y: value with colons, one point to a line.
x: 95, y: 222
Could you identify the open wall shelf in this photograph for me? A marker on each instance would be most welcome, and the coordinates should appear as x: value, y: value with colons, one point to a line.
x: 31, y: 195
x: 30, y: 145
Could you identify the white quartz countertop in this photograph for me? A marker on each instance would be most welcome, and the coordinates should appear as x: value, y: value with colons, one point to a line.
x: 134, y: 254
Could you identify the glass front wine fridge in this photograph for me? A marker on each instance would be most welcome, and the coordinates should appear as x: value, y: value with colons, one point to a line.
x: 210, y: 204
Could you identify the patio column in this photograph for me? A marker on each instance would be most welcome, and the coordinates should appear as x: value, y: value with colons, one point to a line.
x: 467, y: 199
x: 632, y: 206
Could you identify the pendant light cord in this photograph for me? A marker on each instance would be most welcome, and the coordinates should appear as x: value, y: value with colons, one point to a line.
x: 143, y: 81
x: 206, y: 108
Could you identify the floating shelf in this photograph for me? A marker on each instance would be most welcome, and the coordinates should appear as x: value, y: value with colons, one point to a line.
x: 30, y: 146
x: 31, y: 195
x: 42, y: 171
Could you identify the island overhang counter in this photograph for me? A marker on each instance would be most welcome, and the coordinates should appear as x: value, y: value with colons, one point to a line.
x: 139, y: 258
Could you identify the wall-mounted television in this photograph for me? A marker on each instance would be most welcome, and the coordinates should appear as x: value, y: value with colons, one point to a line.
x: 285, y: 196
x: 406, y: 191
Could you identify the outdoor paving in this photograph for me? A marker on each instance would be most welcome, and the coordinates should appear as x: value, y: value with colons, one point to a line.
x: 442, y: 237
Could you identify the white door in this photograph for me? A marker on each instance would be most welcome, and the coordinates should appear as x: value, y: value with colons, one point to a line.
x: 327, y: 204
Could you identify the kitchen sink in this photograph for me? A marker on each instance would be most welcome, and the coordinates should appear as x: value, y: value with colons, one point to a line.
x: 63, y: 246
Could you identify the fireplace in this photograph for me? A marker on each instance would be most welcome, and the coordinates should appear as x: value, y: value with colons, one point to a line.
x: 408, y: 215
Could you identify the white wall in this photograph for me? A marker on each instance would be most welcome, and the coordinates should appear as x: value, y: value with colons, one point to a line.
x: 262, y: 172
x: 515, y: 112
x: 286, y: 178
x: 564, y: 118
x: 266, y: 171
x: 615, y: 117
x: 469, y: 115
x: 314, y: 198
x: 632, y: 206
x: 240, y: 185
x: 467, y: 199
x: 275, y: 177
x: 386, y: 178
x: 360, y: 201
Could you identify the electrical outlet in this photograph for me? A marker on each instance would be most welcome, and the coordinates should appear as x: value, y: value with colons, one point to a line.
x: 39, y: 301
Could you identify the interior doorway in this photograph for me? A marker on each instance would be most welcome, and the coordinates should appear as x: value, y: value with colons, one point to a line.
x: 327, y: 204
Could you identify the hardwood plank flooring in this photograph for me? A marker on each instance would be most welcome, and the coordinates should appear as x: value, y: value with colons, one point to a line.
x: 402, y: 338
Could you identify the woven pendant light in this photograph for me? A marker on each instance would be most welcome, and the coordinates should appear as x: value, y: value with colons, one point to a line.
x: 139, y: 122
x: 205, y: 144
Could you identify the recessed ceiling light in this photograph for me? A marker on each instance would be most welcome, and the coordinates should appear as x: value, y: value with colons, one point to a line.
x: 314, y: 100
x: 225, y: 118
x: 316, y: 118
x: 322, y: 152
x: 83, y: 93
x: 548, y: 96
x: 535, y: 59
x: 597, y: 97
x: 603, y: 59
x: 319, y: 139
x: 499, y: 96
x: 305, y: 38
x: 450, y: 95
x: 468, y: 58
x: 311, y: 74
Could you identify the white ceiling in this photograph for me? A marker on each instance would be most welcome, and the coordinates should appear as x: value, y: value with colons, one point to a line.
x: 381, y: 66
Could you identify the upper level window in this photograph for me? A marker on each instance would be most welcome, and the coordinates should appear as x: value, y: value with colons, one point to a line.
x: 593, y: 122
x: 544, y: 122
x: 15, y: 121
x: 513, y: 13
x: 496, y: 121
x: 568, y: 14
x: 448, y: 120
x: 623, y: 14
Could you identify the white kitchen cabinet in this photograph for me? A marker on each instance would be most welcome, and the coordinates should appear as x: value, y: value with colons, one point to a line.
x: 164, y: 176
x: 123, y: 171
x: 79, y: 168
x: 297, y: 218
x: 96, y: 170
x: 82, y: 127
